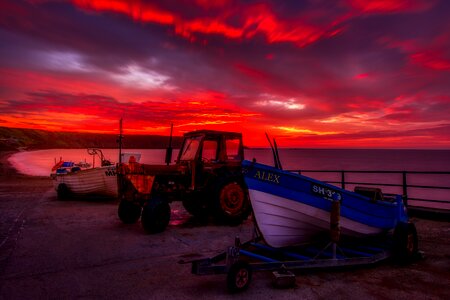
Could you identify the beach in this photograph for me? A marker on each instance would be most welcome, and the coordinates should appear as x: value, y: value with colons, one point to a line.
x: 79, y: 248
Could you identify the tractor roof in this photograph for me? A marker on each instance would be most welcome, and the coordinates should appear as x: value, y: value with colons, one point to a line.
x: 212, y: 133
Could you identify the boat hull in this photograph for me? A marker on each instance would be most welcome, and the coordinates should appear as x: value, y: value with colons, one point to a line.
x: 291, y: 209
x: 100, y: 181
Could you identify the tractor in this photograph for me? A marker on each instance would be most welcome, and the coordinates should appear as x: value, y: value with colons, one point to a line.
x: 206, y: 177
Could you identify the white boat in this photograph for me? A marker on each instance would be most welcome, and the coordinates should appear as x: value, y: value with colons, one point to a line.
x: 70, y: 179
x: 99, y: 181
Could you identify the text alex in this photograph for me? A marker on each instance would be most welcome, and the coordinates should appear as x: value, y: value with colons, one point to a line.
x: 262, y: 175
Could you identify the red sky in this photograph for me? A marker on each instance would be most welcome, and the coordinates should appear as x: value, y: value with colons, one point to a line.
x: 355, y: 73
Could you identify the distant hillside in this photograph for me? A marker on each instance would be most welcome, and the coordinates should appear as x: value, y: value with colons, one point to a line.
x: 31, y: 139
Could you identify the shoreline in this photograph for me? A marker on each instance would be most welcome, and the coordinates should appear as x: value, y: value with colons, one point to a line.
x: 9, y: 172
x: 6, y: 168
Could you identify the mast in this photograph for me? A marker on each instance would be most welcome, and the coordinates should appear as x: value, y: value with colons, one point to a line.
x: 274, y: 153
x: 277, y: 154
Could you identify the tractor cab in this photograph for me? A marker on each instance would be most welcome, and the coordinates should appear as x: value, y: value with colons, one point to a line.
x: 208, y: 152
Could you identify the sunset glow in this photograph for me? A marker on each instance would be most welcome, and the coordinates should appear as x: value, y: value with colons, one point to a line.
x: 357, y: 73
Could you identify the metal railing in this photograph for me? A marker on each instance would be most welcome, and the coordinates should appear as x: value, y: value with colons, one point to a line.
x: 403, y: 184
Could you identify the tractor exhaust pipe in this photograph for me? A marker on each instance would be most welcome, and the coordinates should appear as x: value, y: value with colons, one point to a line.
x: 169, y: 149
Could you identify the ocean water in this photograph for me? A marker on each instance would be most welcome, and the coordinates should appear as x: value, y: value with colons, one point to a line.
x: 39, y: 163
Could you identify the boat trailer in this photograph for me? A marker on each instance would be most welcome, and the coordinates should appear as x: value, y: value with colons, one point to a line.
x: 242, y: 259
x: 331, y: 251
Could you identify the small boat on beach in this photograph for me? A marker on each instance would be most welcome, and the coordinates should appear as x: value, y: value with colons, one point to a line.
x: 70, y: 179
x: 291, y: 209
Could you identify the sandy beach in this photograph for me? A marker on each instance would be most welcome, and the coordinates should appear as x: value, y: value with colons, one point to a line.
x: 52, y: 249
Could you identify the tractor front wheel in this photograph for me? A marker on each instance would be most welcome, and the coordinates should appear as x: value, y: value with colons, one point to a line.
x: 155, y: 216
x: 129, y: 212
x: 62, y: 191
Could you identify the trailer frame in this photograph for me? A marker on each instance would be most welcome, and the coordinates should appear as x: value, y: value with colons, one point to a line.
x: 242, y: 259
x: 331, y: 250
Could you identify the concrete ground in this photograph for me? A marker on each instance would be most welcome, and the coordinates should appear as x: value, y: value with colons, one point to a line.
x: 52, y: 249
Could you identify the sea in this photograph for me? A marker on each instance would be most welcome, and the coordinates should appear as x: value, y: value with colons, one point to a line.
x: 433, y: 185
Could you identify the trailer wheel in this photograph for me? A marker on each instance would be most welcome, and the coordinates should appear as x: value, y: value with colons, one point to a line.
x: 239, y: 277
x: 232, y: 201
x: 405, y: 243
x: 155, y: 216
x: 62, y: 191
x: 129, y: 212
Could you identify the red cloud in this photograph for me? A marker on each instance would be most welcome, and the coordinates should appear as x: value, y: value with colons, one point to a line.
x: 136, y: 9
x: 208, y: 26
x: 85, y: 112
x: 386, y: 6
x: 430, y: 60
x: 251, y: 72
x: 254, y: 20
x: 361, y: 76
x: 414, y: 138
x: 430, y: 54
x: 212, y: 3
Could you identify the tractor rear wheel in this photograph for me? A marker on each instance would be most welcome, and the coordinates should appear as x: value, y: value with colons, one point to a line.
x: 232, y: 203
x: 155, y: 215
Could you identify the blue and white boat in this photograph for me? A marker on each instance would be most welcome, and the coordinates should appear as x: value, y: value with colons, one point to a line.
x: 292, y: 209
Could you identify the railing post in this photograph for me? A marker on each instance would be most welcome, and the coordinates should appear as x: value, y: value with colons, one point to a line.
x: 343, y: 179
x: 405, y: 189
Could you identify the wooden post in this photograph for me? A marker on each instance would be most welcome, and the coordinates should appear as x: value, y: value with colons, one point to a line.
x: 405, y: 189
x: 335, y: 229
x: 335, y: 214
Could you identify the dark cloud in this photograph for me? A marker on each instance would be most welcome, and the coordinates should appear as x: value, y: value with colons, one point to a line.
x: 306, y: 67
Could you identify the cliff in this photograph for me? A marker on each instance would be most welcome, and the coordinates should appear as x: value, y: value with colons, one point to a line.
x: 32, y: 139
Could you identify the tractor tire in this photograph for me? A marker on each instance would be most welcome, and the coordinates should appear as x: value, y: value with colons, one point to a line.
x: 405, y: 243
x: 155, y: 216
x: 232, y: 203
x: 62, y: 191
x: 129, y: 212
x: 195, y: 205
